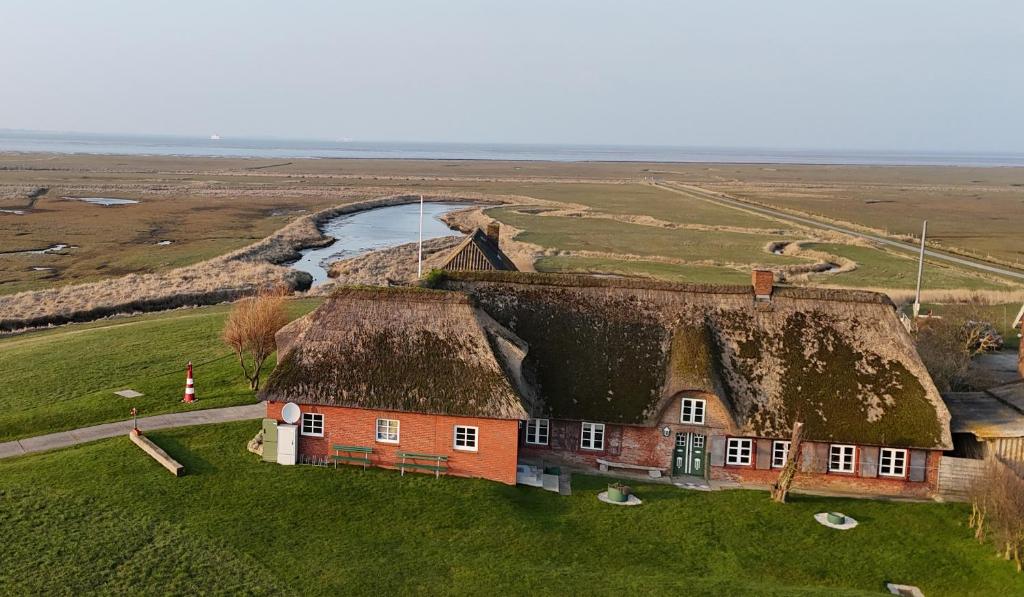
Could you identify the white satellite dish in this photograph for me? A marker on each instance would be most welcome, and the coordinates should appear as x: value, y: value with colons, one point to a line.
x: 291, y: 413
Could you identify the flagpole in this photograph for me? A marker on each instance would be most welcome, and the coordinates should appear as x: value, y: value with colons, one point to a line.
x: 419, y: 258
x: 920, y: 271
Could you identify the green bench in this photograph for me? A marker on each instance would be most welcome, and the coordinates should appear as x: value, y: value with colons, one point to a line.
x: 352, y: 454
x: 439, y: 463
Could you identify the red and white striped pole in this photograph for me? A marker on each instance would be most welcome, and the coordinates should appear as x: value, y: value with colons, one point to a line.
x: 190, y: 390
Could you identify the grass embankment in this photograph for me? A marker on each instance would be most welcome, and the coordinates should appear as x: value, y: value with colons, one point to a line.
x: 66, y: 378
x: 104, y: 518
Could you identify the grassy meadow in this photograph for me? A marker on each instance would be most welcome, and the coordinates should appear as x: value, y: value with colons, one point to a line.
x: 65, y: 378
x: 207, y: 207
x: 235, y: 525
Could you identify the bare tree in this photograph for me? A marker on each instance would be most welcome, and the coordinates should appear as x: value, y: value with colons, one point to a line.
x: 781, y: 486
x: 947, y: 344
x: 250, y: 330
x: 997, y: 510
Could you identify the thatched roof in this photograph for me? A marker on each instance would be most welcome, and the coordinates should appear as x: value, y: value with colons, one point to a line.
x: 479, y: 249
x: 402, y: 349
x: 617, y: 350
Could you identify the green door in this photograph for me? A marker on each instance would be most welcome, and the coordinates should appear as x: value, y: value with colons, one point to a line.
x: 689, y: 458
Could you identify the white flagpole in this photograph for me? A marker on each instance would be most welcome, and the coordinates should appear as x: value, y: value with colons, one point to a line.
x: 419, y: 259
x: 920, y: 271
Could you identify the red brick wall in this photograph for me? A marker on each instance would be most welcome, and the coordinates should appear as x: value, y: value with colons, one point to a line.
x: 647, y: 446
x: 631, y: 444
x: 497, y: 439
x: 841, y: 482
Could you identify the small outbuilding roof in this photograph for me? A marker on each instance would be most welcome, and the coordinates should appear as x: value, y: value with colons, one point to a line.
x: 482, y: 246
x: 402, y: 349
x: 984, y: 415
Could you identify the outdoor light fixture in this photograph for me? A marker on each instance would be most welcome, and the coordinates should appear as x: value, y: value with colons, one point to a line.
x: 666, y: 431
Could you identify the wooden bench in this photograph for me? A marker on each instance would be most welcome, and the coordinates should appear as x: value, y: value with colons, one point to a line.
x: 652, y: 471
x: 439, y: 462
x: 352, y: 454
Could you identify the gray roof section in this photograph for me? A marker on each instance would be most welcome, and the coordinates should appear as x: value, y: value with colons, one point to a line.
x: 985, y: 414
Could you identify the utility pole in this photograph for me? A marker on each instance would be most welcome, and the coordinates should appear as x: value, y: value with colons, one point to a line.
x: 920, y: 271
x: 419, y: 258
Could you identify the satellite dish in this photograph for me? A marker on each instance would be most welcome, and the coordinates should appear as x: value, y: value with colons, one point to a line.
x: 290, y: 413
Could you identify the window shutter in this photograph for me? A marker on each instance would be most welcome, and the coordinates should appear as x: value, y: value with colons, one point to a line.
x: 869, y: 461
x: 918, y: 464
x: 764, y: 453
x: 815, y: 458
x: 717, y: 450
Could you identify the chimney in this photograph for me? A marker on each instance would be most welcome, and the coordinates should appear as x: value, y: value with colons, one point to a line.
x: 493, y: 230
x: 763, y: 280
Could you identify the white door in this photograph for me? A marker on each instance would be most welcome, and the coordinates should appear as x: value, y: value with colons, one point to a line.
x: 287, y: 444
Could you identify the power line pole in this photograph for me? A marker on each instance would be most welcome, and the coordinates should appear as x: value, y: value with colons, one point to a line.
x: 920, y: 271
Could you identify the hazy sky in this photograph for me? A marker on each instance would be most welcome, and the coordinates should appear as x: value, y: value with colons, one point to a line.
x: 846, y: 74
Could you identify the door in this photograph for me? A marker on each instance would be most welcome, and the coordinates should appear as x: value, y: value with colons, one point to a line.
x: 689, y: 458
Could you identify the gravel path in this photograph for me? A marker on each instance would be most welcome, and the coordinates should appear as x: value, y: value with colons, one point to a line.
x: 63, y: 439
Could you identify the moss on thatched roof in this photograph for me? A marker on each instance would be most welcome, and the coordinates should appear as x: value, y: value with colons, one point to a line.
x: 617, y: 350
x: 394, y: 349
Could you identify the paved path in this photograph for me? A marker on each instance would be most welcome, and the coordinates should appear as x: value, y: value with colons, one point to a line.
x: 708, y: 196
x: 42, y: 443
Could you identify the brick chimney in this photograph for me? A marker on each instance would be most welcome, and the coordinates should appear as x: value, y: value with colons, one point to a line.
x: 763, y: 280
x: 493, y: 230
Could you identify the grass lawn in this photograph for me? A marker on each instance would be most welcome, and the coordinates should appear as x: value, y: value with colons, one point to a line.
x: 105, y: 518
x: 65, y: 378
x: 663, y: 271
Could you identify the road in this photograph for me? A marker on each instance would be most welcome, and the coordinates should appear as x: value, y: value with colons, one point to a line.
x: 937, y: 255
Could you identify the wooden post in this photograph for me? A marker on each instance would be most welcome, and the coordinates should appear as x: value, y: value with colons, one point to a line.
x: 785, y: 480
x: 159, y: 455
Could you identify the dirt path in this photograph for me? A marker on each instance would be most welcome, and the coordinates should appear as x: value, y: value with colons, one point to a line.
x: 63, y: 439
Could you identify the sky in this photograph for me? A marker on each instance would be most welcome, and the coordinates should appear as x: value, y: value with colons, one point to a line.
x: 940, y: 75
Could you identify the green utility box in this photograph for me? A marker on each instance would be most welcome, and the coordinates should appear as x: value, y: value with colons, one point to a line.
x: 269, y: 440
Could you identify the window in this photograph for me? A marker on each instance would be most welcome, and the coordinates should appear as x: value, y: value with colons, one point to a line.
x: 841, y: 458
x: 692, y: 411
x: 739, y: 452
x: 537, y: 432
x: 780, y: 453
x: 893, y: 463
x: 387, y: 431
x: 312, y: 424
x: 465, y: 438
x: 593, y: 436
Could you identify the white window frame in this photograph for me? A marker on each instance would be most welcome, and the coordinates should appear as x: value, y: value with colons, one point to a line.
x: 894, y: 471
x: 315, y: 420
x: 466, y: 431
x: 843, y: 451
x: 780, y: 453
x: 734, y: 451
x: 538, y: 428
x: 698, y: 411
x: 588, y: 436
x: 387, y: 431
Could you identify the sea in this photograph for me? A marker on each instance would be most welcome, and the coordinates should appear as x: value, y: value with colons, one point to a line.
x: 171, y: 145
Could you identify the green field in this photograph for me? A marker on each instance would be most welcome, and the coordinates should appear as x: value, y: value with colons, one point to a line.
x: 105, y: 518
x: 665, y: 271
x: 65, y: 378
x: 878, y: 268
x: 610, y: 236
